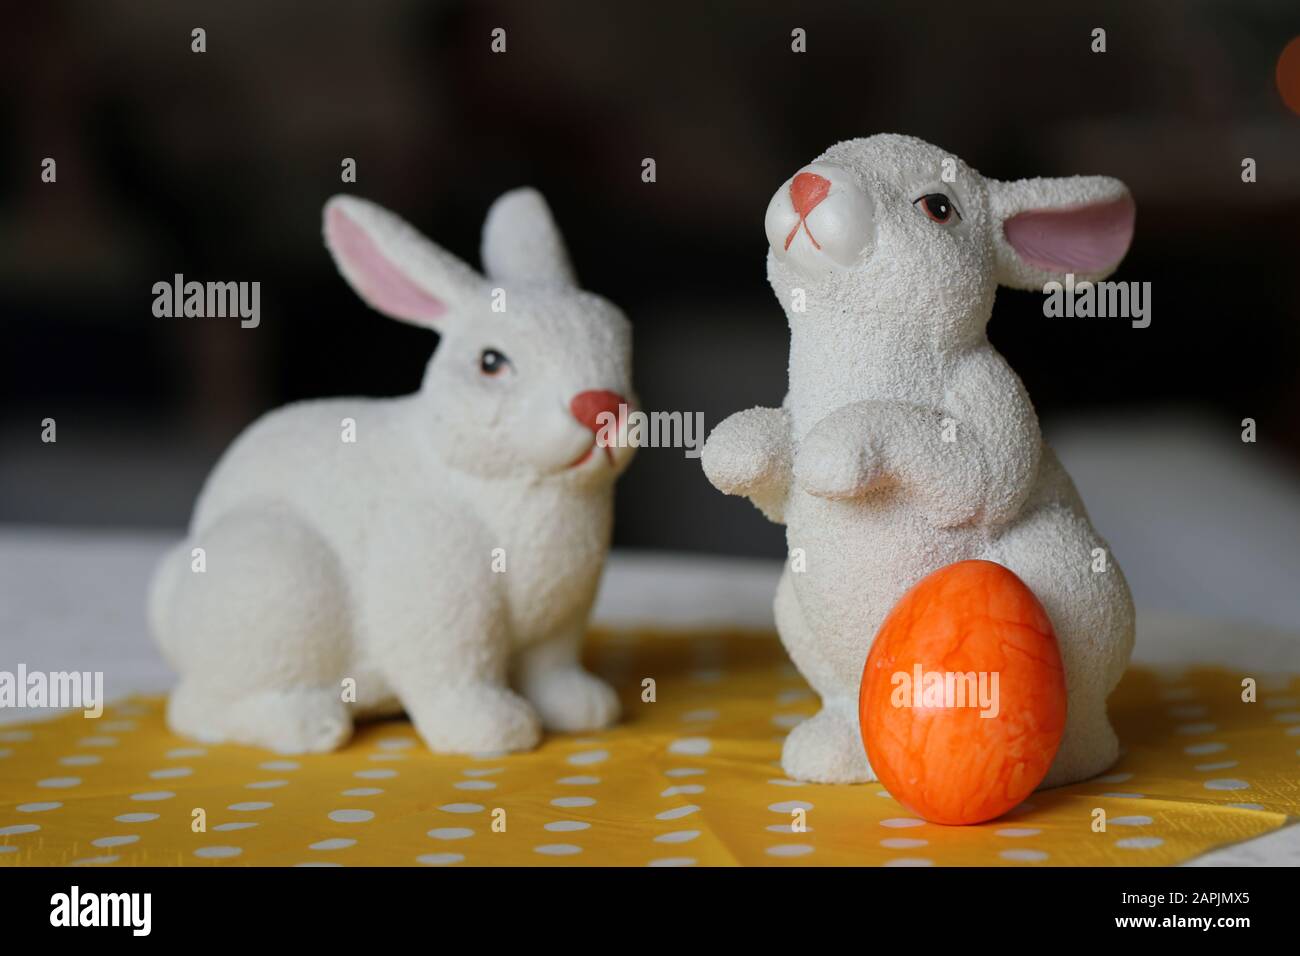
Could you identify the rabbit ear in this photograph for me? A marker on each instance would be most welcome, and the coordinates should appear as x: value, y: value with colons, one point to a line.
x: 522, y: 243
x: 1045, y: 228
x: 391, y: 266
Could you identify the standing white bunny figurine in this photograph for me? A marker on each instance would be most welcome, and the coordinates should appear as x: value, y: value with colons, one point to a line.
x: 429, y: 552
x: 906, y: 442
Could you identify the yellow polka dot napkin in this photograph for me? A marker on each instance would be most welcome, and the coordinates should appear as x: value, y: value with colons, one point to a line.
x: 690, y: 778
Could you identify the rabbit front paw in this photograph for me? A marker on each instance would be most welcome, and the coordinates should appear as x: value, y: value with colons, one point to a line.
x: 478, y: 718
x: 570, y: 700
x: 748, y: 452
x: 835, y: 463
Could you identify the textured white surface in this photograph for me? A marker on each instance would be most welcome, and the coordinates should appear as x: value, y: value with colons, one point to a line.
x: 441, y: 550
x: 906, y: 442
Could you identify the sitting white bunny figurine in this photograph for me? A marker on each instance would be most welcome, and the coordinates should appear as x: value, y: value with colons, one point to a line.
x: 905, y: 442
x: 430, y: 551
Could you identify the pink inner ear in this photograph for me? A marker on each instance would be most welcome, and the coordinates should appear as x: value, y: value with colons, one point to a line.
x: 1084, y: 239
x: 380, y: 282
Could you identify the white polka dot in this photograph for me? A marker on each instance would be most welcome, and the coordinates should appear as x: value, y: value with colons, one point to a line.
x: 363, y: 792
x: 710, y: 675
x: 1134, y: 821
x: 5, y: 752
x: 470, y: 807
x: 1279, y: 703
x: 902, y: 843
x: 1226, y: 783
x: 673, y: 861
x: 266, y: 784
x: 381, y: 774
x: 397, y: 743
x: 386, y: 756
x: 785, y: 782
x: 787, y: 828
x: 439, y: 859
x: 676, y: 813
x: 15, y: 736
x: 168, y: 772
x: 789, y: 849
x: 19, y: 828
x: 250, y: 806
x: 482, y: 771
x: 97, y: 742
x: 1023, y: 856
x: 81, y: 760
x: 1115, y: 778
x: 181, y: 752
x: 789, y: 721
x: 8, y: 849
x: 118, y: 726
x: 685, y: 772
x: 566, y: 826
x: 153, y: 795
x: 318, y: 863
x: 1200, y: 750
x: 902, y: 822
x: 588, y: 757
x: 217, y: 852
x: 1293, y: 731
x: 1139, y: 843
x: 136, y: 817
x: 573, y: 802
x: 1196, y: 730
x: 1121, y: 795
x: 789, y: 806
x: 692, y: 746
x: 451, y: 833
x: 885, y: 794
x: 352, y: 816
x: 1287, y: 718
x: 677, y: 836
x: 38, y: 807
x: 1018, y: 832
x: 228, y: 827
x: 1247, y: 806
x: 1221, y: 765
x: 557, y: 849
x: 579, y: 781
x: 910, y: 861
x: 474, y: 785
x: 106, y: 842
x: 1188, y: 711
x: 336, y: 843
x: 682, y: 789
x: 699, y: 716
x: 59, y: 783
x: 96, y: 861
x: 280, y: 765
x: 787, y: 697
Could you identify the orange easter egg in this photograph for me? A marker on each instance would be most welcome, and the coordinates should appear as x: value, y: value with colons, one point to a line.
x: 963, y: 696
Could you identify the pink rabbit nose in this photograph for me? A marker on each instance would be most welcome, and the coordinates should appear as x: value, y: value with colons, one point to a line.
x: 806, y: 191
x: 587, y: 406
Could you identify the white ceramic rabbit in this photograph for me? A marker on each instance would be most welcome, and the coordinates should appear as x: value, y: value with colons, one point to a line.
x: 906, y: 442
x: 451, y: 551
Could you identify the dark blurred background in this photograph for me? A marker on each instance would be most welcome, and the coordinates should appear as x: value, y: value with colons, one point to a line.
x: 215, y: 165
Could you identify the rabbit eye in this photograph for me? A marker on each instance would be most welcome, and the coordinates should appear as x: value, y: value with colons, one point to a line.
x: 938, y: 207
x: 492, y: 362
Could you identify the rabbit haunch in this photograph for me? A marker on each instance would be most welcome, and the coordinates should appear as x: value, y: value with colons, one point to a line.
x: 905, y: 442
x: 374, y: 564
